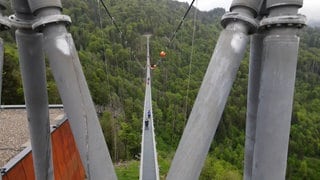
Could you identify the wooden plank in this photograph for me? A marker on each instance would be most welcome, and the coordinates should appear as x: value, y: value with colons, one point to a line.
x: 27, y: 163
x: 17, y: 172
x: 5, y: 177
x: 66, y: 151
x: 58, y: 160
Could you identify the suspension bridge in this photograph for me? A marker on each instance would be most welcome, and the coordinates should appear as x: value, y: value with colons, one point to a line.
x: 149, y: 165
x: 273, y: 57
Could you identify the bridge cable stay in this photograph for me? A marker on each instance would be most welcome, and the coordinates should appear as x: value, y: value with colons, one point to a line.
x: 108, y: 82
x: 111, y: 17
x: 118, y: 29
x: 106, y: 66
x: 140, y: 65
x: 182, y: 20
x: 104, y: 48
x: 120, y: 93
x: 190, y: 63
x: 112, y: 20
x: 122, y: 35
x: 177, y: 29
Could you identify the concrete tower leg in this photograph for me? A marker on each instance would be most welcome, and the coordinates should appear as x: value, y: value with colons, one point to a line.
x: 73, y: 88
x: 252, y: 101
x: 209, y: 105
x: 32, y: 65
x: 280, y: 52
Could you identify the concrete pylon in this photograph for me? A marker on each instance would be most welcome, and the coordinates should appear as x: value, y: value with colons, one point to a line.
x: 210, y: 102
x: 32, y: 65
x: 280, y: 51
x: 73, y: 88
x: 252, y: 101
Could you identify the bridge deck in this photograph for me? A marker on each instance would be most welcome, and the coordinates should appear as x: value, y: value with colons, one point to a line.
x: 149, y: 166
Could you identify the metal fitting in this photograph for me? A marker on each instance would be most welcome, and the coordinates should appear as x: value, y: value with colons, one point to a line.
x: 20, y: 7
x: 276, y: 3
x: 23, y: 18
x: 297, y: 21
x: 43, y: 21
x: 40, y: 4
x: 235, y: 16
x: 254, y: 5
x: 20, y: 23
x: 2, y: 171
x: 4, y: 23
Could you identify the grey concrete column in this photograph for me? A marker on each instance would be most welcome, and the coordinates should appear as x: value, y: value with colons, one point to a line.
x: 252, y: 101
x: 280, y: 52
x: 32, y: 65
x: 35, y: 91
x: 210, y: 102
x: 73, y: 89
x: 253, y: 5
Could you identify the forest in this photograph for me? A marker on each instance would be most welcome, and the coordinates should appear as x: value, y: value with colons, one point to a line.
x: 114, y: 66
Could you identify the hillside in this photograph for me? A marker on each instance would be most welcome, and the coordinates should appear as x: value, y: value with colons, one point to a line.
x: 114, y: 68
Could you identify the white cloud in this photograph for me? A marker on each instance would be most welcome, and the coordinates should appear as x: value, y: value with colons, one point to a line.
x: 311, y: 8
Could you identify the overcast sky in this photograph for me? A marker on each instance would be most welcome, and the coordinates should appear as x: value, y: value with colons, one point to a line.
x: 311, y: 8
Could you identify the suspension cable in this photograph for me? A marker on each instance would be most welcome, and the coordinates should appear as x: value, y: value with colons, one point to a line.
x: 123, y: 38
x: 104, y: 51
x: 114, y: 126
x: 182, y: 20
x: 111, y: 17
x: 190, y: 63
x: 178, y: 28
x: 140, y: 65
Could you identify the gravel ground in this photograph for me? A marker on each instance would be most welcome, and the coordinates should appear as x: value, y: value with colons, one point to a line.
x: 14, y: 132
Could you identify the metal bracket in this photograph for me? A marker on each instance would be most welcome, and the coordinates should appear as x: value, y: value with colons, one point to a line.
x: 235, y: 16
x: 4, y: 23
x: 292, y: 21
x: 276, y: 3
x: 37, y: 24
x: 43, y: 21
x: 19, y: 23
x: 2, y: 171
